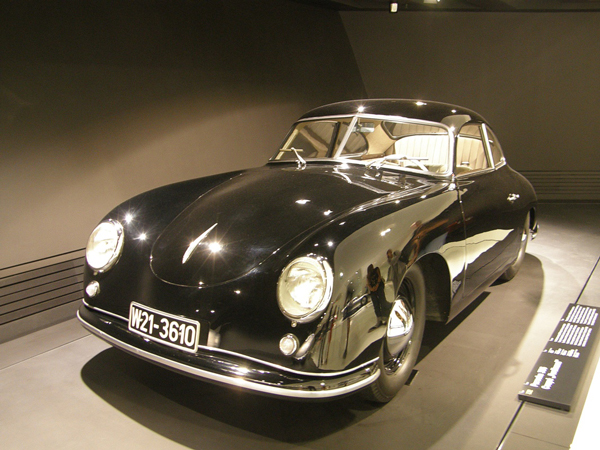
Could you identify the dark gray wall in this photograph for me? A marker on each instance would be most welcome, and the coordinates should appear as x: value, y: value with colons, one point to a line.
x: 534, y: 76
x: 101, y: 100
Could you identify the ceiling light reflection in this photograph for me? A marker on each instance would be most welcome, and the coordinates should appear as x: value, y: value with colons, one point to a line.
x: 215, y: 247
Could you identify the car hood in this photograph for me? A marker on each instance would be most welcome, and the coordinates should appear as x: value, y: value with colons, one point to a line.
x: 236, y: 226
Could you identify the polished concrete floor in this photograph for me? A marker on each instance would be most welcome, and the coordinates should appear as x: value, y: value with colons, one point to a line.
x: 61, y: 388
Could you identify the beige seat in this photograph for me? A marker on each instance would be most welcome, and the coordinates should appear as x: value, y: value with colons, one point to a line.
x: 470, y: 155
x: 430, y: 146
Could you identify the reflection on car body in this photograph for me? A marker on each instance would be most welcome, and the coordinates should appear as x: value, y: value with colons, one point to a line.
x: 312, y: 277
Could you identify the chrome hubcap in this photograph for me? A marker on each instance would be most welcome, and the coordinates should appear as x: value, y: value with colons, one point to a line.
x: 400, y: 327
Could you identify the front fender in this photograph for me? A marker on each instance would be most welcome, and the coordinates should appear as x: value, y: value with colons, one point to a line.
x: 369, y: 264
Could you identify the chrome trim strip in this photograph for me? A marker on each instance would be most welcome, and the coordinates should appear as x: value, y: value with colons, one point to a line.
x: 474, y: 172
x: 487, y: 147
x: 255, y: 360
x: 495, y: 164
x: 116, y: 316
x: 238, y: 382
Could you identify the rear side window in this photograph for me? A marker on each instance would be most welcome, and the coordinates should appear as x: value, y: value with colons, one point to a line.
x: 470, y: 151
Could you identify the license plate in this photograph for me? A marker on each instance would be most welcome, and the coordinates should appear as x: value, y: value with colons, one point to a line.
x: 174, y: 331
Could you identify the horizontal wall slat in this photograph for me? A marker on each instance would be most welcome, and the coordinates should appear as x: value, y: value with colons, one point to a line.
x: 565, y: 185
x: 40, y: 299
x: 41, y: 293
x: 31, y: 288
x: 38, y: 308
x: 32, y: 275
x: 40, y: 263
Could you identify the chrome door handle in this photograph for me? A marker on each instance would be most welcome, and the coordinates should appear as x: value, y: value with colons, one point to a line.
x: 513, y: 197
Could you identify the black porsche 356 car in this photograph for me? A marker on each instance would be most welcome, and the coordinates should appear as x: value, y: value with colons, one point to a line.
x: 312, y: 277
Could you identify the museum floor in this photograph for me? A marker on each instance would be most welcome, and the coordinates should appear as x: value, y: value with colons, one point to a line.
x: 61, y: 388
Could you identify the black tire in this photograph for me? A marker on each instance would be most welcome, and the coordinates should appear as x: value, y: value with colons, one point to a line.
x: 396, y: 368
x: 512, y: 270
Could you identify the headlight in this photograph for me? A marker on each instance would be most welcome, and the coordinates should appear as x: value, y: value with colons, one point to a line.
x: 105, y: 246
x: 304, y: 288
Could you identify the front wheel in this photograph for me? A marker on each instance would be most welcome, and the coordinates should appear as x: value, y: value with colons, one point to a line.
x: 402, y: 341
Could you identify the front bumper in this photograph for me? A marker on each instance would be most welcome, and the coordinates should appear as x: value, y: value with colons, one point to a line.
x: 229, y: 368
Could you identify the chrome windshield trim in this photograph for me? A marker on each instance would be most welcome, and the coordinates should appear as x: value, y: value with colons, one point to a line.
x: 449, y: 129
x: 355, y: 117
x: 376, y: 117
x: 364, y: 376
x: 249, y: 358
x: 344, y: 140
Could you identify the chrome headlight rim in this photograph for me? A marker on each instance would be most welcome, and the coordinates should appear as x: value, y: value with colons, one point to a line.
x: 292, y: 308
x: 99, y: 263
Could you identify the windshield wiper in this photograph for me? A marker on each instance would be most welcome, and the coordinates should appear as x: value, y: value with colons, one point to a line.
x: 300, y: 159
x: 380, y: 161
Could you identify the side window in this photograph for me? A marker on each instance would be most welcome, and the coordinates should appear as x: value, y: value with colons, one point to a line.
x: 470, y: 151
x: 495, y: 148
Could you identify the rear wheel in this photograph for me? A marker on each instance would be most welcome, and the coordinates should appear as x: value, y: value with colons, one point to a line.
x: 512, y: 270
x: 402, y: 341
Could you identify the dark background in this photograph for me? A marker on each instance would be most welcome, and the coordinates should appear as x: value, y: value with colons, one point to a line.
x: 103, y: 99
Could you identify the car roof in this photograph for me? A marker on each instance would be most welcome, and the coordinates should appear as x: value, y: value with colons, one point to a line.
x: 448, y: 114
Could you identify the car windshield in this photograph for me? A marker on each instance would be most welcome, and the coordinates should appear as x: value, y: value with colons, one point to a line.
x: 372, y: 141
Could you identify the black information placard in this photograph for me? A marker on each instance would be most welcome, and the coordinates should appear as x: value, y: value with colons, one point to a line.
x: 555, y: 377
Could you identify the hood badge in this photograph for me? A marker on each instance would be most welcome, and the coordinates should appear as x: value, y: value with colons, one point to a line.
x: 194, y: 245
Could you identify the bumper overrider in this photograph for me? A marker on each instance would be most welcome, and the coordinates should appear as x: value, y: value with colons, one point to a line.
x: 229, y: 368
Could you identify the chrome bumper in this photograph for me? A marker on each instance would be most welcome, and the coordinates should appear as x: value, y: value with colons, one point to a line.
x: 254, y: 375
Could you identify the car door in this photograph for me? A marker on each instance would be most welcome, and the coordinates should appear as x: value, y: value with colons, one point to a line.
x: 490, y: 221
